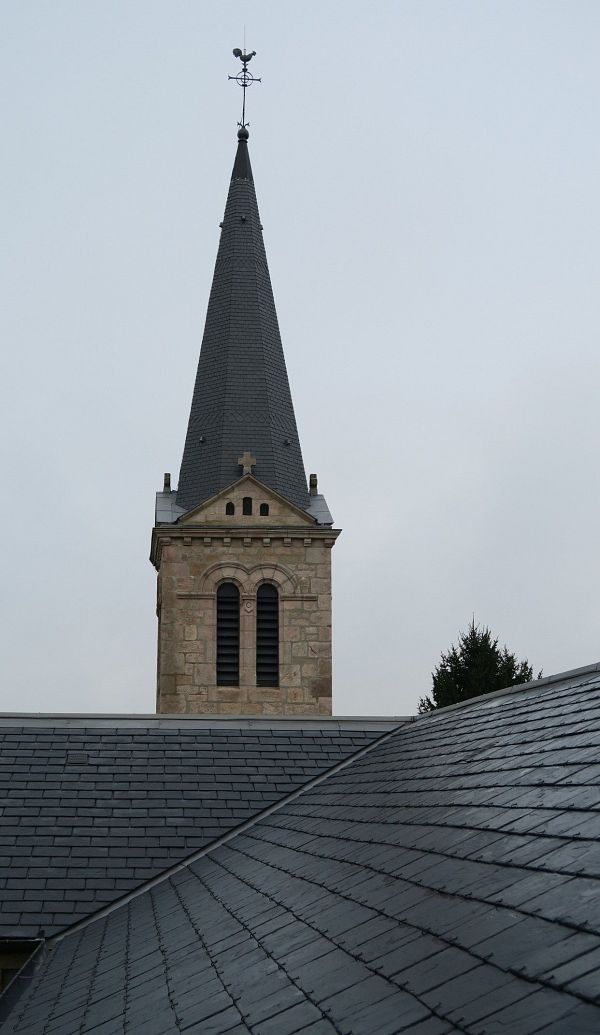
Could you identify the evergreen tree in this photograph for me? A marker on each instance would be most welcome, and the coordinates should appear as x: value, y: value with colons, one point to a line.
x: 476, y: 666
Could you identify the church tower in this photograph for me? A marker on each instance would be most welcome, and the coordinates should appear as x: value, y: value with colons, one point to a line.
x: 242, y: 547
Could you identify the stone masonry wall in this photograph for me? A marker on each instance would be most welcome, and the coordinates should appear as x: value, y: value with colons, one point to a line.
x: 192, y: 562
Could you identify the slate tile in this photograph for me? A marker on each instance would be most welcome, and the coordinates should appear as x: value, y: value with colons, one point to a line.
x: 287, y: 1021
x: 397, y: 1012
x: 363, y: 939
x: 163, y: 1023
x: 580, y: 1019
x: 322, y: 1027
x: 577, y: 967
x: 533, y: 1013
x: 428, y: 974
x: 192, y: 1009
x: 327, y: 975
x: 430, y: 1026
x: 261, y: 995
x: 456, y: 993
x: 390, y: 958
x: 225, y: 1023
x: 58, y: 1026
x: 506, y: 992
x: 303, y: 947
x: 362, y: 997
x: 587, y: 985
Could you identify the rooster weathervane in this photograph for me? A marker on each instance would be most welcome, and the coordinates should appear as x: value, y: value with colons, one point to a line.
x: 244, y: 79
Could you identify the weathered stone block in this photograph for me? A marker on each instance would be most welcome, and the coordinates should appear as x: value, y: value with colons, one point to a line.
x: 195, y: 657
x: 226, y: 693
x: 173, y: 704
x: 320, y: 649
x: 197, y: 695
x: 324, y: 665
x: 173, y: 661
x: 263, y: 693
x: 320, y: 687
x: 290, y: 675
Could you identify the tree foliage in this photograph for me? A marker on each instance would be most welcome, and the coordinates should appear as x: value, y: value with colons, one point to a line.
x: 476, y: 666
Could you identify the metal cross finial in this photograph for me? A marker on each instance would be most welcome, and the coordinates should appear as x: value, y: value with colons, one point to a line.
x: 247, y: 462
x: 245, y: 79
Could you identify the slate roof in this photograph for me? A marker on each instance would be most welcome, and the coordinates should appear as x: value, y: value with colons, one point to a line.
x: 242, y: 398
x: 444, y: 880
x: 90, y: 808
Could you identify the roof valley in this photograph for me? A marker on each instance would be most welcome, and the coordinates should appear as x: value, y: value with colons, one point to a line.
x: 199, y: 853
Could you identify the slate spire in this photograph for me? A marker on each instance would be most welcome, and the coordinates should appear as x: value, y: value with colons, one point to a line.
x: 242, y: 401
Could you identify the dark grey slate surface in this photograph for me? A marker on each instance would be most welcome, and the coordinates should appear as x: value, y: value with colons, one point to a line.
x: 446, y: 880
x: 242, y: 398
x: 88, y: 812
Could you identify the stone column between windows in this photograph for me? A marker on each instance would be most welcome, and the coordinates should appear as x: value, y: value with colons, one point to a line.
x: 248, y: 640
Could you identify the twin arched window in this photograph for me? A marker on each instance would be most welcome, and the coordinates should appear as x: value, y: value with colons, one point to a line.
x: 228, y: 635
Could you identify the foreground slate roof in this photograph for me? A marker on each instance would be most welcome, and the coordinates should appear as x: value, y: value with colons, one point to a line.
x: 90, y: 808
x: 447, y: 879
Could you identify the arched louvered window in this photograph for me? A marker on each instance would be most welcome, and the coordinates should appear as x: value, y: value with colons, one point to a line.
x: 267, y: 636
x: 247, y: 505
x: 228, y: 635
x: 230, y: 508
x: 264, y: 510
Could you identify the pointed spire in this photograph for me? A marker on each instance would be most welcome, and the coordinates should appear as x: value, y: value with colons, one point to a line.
x: 242, y: 401
x: 242, y: 170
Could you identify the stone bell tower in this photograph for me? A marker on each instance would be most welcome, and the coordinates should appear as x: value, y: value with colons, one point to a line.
x: 243, y: 546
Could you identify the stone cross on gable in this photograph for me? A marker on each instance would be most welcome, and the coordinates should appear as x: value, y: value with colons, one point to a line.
x: 247, y: 462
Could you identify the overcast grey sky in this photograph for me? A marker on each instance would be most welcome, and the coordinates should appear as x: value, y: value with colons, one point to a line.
x: 427, y: 174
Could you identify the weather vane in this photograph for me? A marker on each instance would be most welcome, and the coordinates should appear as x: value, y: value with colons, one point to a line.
x: 245, y: 79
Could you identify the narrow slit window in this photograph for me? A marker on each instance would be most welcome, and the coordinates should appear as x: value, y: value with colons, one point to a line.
x: 267, y: 636
x: 247, y: 505
x: 264, y: 510
x: 228, y: 635
x: 230, y: 509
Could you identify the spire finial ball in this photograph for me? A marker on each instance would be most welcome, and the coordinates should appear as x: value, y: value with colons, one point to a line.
x: 243, y: 133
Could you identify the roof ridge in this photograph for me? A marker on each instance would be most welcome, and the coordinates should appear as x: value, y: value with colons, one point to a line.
x: 199, y: 853
x: 174, y: 720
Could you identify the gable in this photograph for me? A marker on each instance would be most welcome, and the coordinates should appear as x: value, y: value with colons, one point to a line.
x: 214, y: 512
